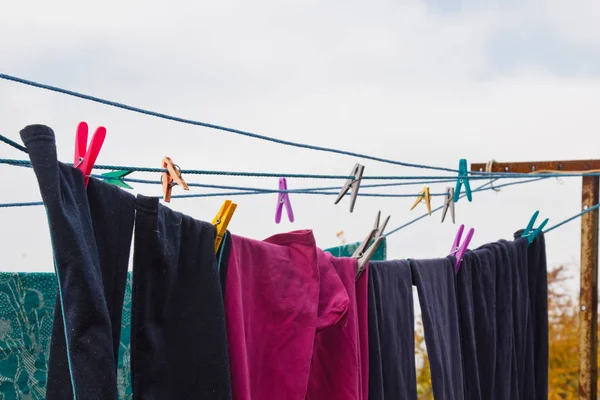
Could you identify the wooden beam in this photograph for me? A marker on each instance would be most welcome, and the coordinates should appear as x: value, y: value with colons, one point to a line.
x: 532, y: 166
x: 588, y: 295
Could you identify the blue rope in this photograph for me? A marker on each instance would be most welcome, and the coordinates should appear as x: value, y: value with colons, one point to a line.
x: 13, y: 143
x: 27, y: 163
x: 479, y: 189
x: 213, y: 126
x: 595, y: 207
x: 33, y: 203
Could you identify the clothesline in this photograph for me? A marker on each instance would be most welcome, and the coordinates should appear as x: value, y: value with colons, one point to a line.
x: 503, y: 175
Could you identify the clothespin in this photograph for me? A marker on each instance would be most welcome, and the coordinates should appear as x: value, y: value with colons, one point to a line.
x: 352, y: 183
x: 172, y: 174
x: 116, y: 178
x: 221, y: 221
x: 364, y: 252
x: 463, y: 179
x: 449, y: 204
x: 424, y: 195
x: 528, y: 233
x: 283, y: 199
x: 458, y: 250
x: 86, y: 157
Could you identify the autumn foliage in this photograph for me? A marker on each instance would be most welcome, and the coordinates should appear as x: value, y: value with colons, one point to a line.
x: 563, y: 338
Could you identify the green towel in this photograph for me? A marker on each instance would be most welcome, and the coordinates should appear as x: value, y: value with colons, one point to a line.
x: 26, y: 314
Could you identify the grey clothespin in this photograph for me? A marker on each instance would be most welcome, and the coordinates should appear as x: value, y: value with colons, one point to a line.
x: 449, y: 203
x: 352, y: 183
x: 365, y: 253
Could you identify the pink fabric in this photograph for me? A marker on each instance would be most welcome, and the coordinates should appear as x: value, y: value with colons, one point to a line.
x: 340, y: 366
x: 276, y: 296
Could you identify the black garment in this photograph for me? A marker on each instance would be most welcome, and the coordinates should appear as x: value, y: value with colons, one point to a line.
x: 538, y: 301
x: 476, y: 294
x: 178, y: 336
x: 437, y: 296
x: 391, y: 332
x: 91, y: 236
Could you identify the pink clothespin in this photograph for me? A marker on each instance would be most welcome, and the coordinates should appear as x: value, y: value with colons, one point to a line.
x: 85, y: 159
x: 459, y: 251
x: 283, y: 198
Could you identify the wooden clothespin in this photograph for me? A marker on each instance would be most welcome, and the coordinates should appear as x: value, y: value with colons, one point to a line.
x: 458, y: 250
x: 424, y: 195
x: 352, y: 183
x: 221, y: 221
x: 86, y: 157
x: 364, y: 252
x: 171, y: 176
x: 531, y: 234
x: 463, y: 179
x: 449, y: 204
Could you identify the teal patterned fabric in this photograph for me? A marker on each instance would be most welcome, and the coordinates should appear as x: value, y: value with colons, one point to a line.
x: 26, y: 314
x: 348, y: 249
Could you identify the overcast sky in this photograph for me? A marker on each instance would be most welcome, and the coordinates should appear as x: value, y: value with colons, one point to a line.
x: 426, y: 82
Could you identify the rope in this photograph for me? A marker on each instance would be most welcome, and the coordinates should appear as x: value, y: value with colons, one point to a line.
x: 479, y: 189
x: 13, y: 144
x: 213, y: 126
x: 595, y: 207
x: 27, y: 163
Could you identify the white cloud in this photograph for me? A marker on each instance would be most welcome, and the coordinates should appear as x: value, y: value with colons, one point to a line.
x: 393, y: 79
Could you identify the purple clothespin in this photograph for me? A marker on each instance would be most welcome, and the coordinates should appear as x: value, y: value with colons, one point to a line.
x: 283, y: 198
x: 458, y: 250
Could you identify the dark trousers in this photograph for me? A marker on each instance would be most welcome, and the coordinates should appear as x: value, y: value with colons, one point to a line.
x: 91, y: 236
x: 178, y: 336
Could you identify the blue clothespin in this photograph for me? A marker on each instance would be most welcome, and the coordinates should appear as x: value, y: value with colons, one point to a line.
x: 528, y: 231
x: 116, y: 178
x: 463, y: 179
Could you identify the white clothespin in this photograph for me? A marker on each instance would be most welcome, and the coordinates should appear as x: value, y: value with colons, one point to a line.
x: 364, y: 254
x: 352, y: 183
x: 449, y: 203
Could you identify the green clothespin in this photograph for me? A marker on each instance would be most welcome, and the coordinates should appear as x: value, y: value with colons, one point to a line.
x: 463, y: 179
x: 528, y: 233
x: 116, y: 178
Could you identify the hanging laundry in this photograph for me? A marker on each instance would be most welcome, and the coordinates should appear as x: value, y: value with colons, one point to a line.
x: 271, y: 305
x: 178, y: 343
x: 477, y: 305
x: 339, y: 366
x: 434, y: 280
x: 538, y: 301
x: 86, y: 330
x: 392, y: 372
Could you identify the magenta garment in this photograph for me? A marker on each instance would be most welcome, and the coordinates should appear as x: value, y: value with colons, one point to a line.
x: 273, y: 306
x: 340, y: 363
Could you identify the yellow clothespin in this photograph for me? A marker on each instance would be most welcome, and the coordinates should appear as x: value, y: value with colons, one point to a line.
x: 168, y: 177
x: 424, y: 195
x: 221, y: 221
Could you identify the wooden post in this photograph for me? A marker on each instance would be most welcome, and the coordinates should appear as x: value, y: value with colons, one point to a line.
x: 588, y: 294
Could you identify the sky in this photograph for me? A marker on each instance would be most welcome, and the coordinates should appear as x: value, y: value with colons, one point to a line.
x: 427, y: 82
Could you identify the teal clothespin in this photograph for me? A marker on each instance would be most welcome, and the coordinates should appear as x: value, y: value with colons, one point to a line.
x: 463, y: 179
x: 528, y: 231
x: 116, y: 178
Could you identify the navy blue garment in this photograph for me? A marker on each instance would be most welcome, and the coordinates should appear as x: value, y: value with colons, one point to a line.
x: 178, y: 336
x: 436, y: 287
x: 538, y: 301
x: 391, y: 332
x: 91, y: 236
x: 476, y: 295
